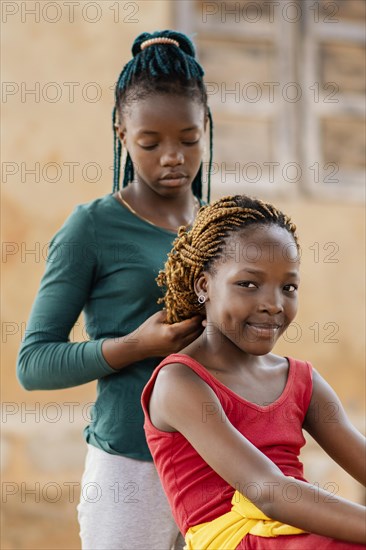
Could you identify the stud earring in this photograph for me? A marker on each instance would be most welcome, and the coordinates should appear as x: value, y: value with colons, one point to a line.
x: 201, y: 299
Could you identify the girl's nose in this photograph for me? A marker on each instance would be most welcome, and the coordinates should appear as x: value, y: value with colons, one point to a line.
x: 272, y: 303
x: 172, y: 158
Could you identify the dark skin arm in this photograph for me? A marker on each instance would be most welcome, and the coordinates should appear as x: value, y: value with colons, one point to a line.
x: 154, y: 338
x: 237, y: 461
x: 326, y: 421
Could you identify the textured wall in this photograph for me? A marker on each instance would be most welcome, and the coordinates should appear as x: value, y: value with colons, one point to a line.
x: 58, y: 153
x: 65, y: 127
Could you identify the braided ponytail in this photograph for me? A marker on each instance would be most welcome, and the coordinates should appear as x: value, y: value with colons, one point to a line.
x: 159, y: 68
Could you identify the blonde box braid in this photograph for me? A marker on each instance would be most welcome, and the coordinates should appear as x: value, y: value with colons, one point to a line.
x: 196, y: 250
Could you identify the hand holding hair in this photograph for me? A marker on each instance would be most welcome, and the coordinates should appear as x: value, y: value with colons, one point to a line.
x: 154, y: 338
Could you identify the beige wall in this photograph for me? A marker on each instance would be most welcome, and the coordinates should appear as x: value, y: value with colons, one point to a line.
x: 44, y: 450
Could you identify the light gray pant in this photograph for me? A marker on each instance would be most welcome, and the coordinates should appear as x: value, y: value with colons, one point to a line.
x: 123, y: 506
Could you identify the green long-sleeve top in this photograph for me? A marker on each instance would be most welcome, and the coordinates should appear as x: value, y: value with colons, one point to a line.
x: 104, y: 261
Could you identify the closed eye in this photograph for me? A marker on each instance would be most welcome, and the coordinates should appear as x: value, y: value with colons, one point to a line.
x: 190, y: 142
x: 151, y: 147
x: 148, y: 147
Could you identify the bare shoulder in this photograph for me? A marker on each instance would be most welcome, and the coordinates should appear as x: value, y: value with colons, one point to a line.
x: 273, y: 360
x: 176, y: 370
x: 177, y: 376
x: 178, y: 393
x: 327, y: 422
x: 326, y: 413
x: 176, y: 381
x: 322, y: 391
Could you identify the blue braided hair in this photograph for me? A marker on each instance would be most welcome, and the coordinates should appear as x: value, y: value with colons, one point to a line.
x: 159, y: 68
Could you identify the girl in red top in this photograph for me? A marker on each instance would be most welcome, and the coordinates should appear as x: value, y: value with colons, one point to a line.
x: 224, y: 417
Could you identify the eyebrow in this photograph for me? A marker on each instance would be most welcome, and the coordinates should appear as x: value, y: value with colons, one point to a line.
x: 151, y: 132
x: 261, y: 272
x: 148, y: 132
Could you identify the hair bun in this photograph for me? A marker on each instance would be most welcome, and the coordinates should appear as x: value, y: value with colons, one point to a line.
x: 185, y: 44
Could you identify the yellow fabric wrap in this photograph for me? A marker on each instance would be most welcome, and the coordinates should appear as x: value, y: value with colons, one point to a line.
x: 228, y: 530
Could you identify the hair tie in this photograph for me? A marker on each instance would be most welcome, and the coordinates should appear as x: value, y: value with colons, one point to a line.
x: 158, y: 40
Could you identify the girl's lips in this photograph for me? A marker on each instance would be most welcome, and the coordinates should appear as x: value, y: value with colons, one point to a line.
x: 263, y: 330
x: 174, y: 175
x: 174, y: 181
x: 264, y: 325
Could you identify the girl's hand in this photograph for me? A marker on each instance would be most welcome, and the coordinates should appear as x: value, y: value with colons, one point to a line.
x: 159, y: 339
x: 154, y: 338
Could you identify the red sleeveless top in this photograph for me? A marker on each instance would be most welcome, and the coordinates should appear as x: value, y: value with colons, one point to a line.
x: 196, y: 493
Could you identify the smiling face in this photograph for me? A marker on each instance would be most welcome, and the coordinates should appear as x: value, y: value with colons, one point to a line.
x: 164, y: 135
x: 251, y: 291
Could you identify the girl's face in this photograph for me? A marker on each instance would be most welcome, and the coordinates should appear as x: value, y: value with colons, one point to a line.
x: 164, y: 136
x: 251, y: 294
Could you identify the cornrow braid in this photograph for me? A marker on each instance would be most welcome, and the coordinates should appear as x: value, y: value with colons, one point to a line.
x: 159, y: 68
x: 196, y: 250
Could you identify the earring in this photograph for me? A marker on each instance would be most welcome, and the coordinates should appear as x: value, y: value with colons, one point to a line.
x: 201, y: 299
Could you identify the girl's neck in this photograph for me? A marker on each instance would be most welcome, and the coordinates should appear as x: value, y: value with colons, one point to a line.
x: 223, y: 355
x: 167, y: 212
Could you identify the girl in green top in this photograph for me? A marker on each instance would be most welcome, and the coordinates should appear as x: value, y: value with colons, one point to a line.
x: 104, y: 261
